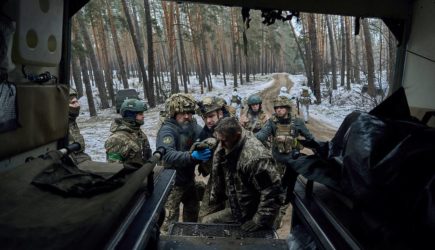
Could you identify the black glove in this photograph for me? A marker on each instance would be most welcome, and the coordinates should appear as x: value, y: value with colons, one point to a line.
x: 250, y: 226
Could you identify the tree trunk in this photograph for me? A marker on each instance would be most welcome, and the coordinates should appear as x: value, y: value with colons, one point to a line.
x: 168, y: 11
x: 233, y: 38
x: 138, y: 33
x: 349, y: 66
x: 316, y: 58
x: 356, y: 65
x: 301, y: 53
x: 370, y: 61
x: 119, y: 58
x: 308, y: 52
x: 182, y: 52
x: 108, y: 74
x: 333, y: 55
x: 97, y: 73
x: 77, y: 74
x: 138, y: 49
x: 150, y: 85
x: 343, y: 52
x: 80, y: 53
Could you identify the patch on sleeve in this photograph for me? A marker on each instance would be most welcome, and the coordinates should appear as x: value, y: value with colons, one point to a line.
x: 167, y: 140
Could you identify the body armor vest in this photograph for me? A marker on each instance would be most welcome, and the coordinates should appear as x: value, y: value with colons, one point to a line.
x: 284, y: 140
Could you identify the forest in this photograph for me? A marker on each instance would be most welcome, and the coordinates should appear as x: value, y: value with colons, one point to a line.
x: 164, y: 43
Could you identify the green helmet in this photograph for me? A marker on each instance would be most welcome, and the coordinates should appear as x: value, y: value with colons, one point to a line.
x: 180, y: 103
x: 209, y: 104
x: 254, y: 99
x: 282, y: 101
x: 132, y: 105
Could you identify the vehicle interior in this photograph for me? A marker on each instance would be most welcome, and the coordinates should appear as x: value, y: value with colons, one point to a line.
x: 35, y: 67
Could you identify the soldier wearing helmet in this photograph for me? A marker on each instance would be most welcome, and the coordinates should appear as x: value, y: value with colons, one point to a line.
x: 128, y: 143
x: 74, y: 135
x: 254, y: 118
x: 286, y: 147
x: 236, y: 102
x: 305, y: 98
x: 211, y: 109
x: 227, y: 110
x: 176, y: 136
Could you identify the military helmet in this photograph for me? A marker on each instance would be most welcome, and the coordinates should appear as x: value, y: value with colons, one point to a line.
x: 221, y: 101
x: 254, y: 99
x: 180, y: 103
x: 209, y: 104
x: 132, y: 105
x: 284, y: 89
x: 282, y: 101
x: 73, y: 92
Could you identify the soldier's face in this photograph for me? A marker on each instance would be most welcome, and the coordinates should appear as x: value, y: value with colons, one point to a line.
x: 255, y: 107
x: 228, y: 141
x: 212, y: 118
x: 74, y: 103
x: 183, y: 118
x: 140, y: 116
x: 281, y: 111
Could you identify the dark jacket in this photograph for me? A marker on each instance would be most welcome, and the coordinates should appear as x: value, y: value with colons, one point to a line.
x: 177, y: 141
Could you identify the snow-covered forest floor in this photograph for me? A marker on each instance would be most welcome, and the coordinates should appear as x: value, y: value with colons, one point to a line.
x: 96, y: 129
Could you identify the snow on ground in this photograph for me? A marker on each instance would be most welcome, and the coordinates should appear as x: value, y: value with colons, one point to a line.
x: 343, y: 102
x: 96, y: 129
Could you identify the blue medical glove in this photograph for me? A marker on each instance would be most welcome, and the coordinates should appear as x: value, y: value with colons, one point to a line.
x: 201, y: 155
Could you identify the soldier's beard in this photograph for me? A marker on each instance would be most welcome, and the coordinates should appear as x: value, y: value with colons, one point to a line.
x: 74, y: 112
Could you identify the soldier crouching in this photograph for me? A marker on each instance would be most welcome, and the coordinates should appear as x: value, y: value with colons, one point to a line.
x: 245, y: 175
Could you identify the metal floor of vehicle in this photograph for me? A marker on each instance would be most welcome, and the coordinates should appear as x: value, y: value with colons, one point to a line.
x: 192, y: 236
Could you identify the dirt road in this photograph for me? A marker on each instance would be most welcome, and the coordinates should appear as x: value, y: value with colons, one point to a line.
x: 320, y: 131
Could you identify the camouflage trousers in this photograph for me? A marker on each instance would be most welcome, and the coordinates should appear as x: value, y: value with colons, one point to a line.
x: 223, y: 216
x: 181, y: 194
x: 206, y: 208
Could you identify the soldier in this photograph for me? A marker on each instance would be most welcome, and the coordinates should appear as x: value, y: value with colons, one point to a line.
x: 285, y: 145
x: 244, y: 174
x: 255, y: 118
x: 227, y: 110
x: 211, y: 111
x: 74, y: 134
x: 305, y: 98
x: 177, y: 135
x: 127, y: 141
x: 236, y: 102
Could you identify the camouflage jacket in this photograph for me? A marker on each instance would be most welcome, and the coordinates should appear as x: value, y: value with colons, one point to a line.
x: 74, y: 135
x: 253, y: 122
x: 127, y: 143
x: 248, y: 177
x: 177, y: 141
x: 295, y: 128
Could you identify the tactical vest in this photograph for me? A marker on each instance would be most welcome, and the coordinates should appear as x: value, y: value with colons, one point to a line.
x: 305, y: 97
x: 285, y: 139
x: 255, y: 122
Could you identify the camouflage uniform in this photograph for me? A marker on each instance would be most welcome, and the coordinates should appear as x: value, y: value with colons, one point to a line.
x: 127, y: 143
x: 253, y: 121
x: 285, y: 144
x: 208, y: 105
x: 177, y: 140
x: 74, y: 135
x: 248, y: 179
